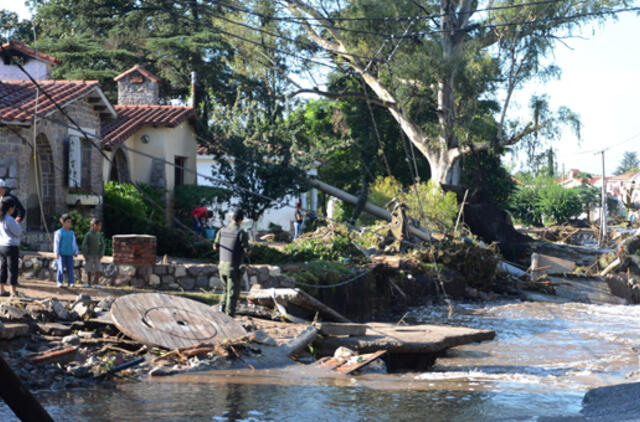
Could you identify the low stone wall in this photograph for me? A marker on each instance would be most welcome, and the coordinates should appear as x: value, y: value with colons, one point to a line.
x: 171, y: 276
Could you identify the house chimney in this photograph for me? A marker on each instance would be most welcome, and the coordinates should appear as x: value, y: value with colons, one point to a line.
x: 37, y: 64
x: 193, y: 89
x: 138, y: 86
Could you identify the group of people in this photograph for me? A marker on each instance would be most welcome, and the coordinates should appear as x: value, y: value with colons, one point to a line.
x: 65, y: 245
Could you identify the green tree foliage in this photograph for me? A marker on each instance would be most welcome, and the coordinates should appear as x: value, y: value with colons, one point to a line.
x: 426, y: 202
x: 485, y: 170
x: 548, y: 201
x: 629, y: 163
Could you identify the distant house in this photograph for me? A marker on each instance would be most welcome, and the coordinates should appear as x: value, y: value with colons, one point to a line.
x: 282, y: 216
x: 148, y: 142
x: 48, y: 161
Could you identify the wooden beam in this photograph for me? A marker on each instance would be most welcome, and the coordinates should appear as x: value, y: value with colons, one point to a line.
x: 19, y: 398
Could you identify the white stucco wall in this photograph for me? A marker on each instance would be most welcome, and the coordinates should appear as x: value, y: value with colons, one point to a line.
x: 282, y: 216
x: 39, y: 70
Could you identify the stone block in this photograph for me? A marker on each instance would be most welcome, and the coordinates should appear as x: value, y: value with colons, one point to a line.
x: 161, y: 269
x: 173, y: 286
x: 110, y: 270
x: 126, y: 271
x: 167, y: 280
x: 274, y: 271
x: 138, y: 283
x: 263, y: 274
x: 25, y: 263
x: 154, y: 280
x: 120, y: 281
x: 53, y: 266
x: 215, y: 283
x: 28, y: 274
x: 253, y: 279
x: 187, y: 283
x: 180, y: 271
x: 13, y: 330
x: 202, y: 282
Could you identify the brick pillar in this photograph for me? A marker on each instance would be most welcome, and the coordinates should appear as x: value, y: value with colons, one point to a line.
x: 137, y: 250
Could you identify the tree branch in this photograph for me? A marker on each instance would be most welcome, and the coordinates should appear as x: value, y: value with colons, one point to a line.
x: 458, y: 152
x: 336, y: 95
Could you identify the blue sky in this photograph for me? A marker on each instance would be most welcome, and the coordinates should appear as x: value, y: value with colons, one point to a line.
x: 600, y: 82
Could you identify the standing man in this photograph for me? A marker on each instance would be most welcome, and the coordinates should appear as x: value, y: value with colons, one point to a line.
x: 19, y: 212
x: 299, y: 221
x: 233, y: 244
x: 199, y: 216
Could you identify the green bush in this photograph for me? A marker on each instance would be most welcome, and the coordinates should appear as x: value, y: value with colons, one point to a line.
x: 79, y: 225
x: 427, y: 203
x: 560, y: 204
x: 333, y: 248
x: 263, y: 254
x: 525, y: 206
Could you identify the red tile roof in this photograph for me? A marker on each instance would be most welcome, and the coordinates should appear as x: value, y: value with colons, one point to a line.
x: 139, y: 69
x: 19, y: 46
x: 133, y: 117
x: 18, y: 98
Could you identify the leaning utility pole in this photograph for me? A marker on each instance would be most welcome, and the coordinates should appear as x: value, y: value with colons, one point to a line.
x: 603, y: 214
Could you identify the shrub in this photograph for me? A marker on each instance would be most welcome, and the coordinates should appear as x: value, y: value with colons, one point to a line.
x: 525, y: 206
x: 332, y: 248
x: 427, y: 203
x: 559, y: 203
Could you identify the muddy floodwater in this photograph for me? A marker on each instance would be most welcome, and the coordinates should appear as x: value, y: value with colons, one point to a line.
x: 542, y: 361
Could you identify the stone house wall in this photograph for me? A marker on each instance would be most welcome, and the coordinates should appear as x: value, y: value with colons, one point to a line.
x: 16, y: 159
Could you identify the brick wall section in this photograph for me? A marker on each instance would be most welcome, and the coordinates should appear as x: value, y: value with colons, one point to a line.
x: 134, y: 249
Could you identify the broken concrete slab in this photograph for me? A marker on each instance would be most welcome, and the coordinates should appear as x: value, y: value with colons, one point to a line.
x: 13, y: 313
x: 546, y: 264
x: 593, y: 290
x: 407, y: 339
x: 13, y: 330
x: 340, y: 329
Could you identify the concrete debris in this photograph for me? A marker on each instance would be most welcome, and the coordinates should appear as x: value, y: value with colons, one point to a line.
x: 12, y: 313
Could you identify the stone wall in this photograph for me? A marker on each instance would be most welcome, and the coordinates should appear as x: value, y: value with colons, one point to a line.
x: 172, y: 276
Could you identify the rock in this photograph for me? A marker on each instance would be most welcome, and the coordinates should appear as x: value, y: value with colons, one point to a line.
x: 180, y: 271
x: 173, y: 286
x: 53, y: 266
x: 187, y: 283
x: 71, y: 339
x: 105, y: 304
x: 82, y: 310
x: 126, y: 271
x: 59, y: 309
x: 13, y: 313
x: 13, y: 330
x: 274, y: 271
x: 82, y: 298
x: 27, y: 263
x: 612, y: 403
x: 202, y: 282
x: 161, y: 269
x: 54, y: 329
x: 86, y: 334
x: 79, y: 371
x: 138, y: 283
x: 214, y: 283
x: 110, y: 270
x: 161, y: 371
x: 121, y: 281
x: 154, y: 280
x: 194, y: 270
x: 344, y: 353
x: 471, y: 292
x: 167, y: 280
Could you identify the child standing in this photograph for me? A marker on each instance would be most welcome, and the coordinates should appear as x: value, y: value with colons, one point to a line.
x: 10, y: 232
x: 65, y: 247
x: 93, y: 250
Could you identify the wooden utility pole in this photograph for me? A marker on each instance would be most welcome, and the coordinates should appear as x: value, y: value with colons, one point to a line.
x: 603, y: 214
x: 19, y: 398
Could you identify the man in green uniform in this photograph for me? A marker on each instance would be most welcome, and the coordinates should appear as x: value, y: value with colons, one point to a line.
x: 233, y: 244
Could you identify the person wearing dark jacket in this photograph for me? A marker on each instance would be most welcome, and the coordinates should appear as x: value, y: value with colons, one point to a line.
x: 19, y: 212
x: 233, y: 244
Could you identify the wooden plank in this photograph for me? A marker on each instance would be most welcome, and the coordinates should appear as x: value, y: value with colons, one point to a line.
x: 349, y: 368
x: 172, y: 321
